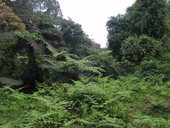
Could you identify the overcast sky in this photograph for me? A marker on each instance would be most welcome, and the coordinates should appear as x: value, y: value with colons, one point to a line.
x: 93, y: 15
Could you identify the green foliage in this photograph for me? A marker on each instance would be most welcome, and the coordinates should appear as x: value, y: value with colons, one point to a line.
x: 48, y: 7
x: 126, y: 102
x: 153, y: 68
x: 104, y: 60
x: 144, y: 17
x: 33, y: 60
x: 166, y: 37
x: 69, y: 80
x: 123, y: 68
x: 7, y: 81
x: 135, y: 49
x: 117, y: 29
x: 26, y: 9
x: 45, y: 16
x: 76, y: 40
x: 148, y: 17
x: 64, y: 67
x: 18, y: 57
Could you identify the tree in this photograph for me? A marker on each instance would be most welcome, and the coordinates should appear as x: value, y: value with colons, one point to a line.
x: 76, y: 40
x: 33, y: 12
x: 8, y: 20
x: 144, y: 17
x: 117, y: 28
x: 148, y: 17
x: 48, y: 7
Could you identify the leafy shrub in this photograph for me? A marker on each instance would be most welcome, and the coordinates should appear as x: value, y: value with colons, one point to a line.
x: 124, y: 67
x: 135, y: 49
x: 153, y: 68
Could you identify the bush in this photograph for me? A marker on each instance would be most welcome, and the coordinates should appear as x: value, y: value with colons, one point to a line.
x: 153, y: 68
x: 135, y: 49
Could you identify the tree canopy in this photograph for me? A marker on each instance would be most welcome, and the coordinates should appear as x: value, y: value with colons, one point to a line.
x: 9, y: 20
x: 144, y: 17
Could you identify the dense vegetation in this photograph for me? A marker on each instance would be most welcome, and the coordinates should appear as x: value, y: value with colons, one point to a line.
x: 52, y: 75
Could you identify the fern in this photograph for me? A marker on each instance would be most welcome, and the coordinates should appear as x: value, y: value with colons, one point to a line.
x: 63, y: 63
x: 79, y: 122
x: 146, y: 121
x: 86, y: 66
x: 126, y: 102
x: 8, y: 81
x: 6, y: 36
x: 111, y: 122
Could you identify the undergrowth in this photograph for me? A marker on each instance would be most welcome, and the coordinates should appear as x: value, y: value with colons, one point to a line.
x: 128, y: 102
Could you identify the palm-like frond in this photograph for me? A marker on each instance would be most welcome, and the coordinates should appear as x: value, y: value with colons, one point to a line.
x: 9, y: 81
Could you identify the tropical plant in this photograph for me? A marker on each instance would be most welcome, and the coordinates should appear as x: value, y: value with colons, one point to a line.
x: 135, y: 49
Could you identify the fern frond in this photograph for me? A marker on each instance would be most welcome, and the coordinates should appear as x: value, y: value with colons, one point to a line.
x: 6, y: 36
x: 78, y: 121
x: 9, y: 81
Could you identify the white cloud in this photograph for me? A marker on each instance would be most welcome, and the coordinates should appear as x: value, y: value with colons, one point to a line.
x: 93, y: 15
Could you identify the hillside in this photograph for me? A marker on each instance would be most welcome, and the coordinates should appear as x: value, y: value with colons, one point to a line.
x: 52, y: 75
